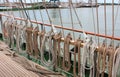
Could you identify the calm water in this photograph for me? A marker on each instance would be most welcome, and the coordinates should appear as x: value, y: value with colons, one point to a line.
x: 87, y: 17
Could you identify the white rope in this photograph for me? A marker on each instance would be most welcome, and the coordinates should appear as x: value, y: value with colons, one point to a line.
x: 88, y: 55
x: 48, y: 63
x: 19, y: 36
x: 116, y: 63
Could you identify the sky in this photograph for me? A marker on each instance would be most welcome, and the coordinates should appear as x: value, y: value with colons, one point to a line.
x: 99, y: 1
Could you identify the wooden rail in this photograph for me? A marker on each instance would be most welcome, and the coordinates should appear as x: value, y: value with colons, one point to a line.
x: 65, y: 28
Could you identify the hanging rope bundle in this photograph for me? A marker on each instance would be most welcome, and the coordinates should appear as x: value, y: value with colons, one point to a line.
x: 19, y: 39
x: 35, y: 42
x: 29, y: 44
x: 13, y: 38
x: 66, y: 55
x: 88, y: 56
x: 52, y: 56
x: 77, y: 50
x: 4, y: 29
x: 41, y: 35
x: 56, y: 42
x: 116, y: 63
x: 10, y: 33
x: 101, y: 61
x: 110, y: 52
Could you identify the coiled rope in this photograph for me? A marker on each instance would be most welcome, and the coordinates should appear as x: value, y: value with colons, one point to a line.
x: 88, y: 56
x: 101, y: 61
x: 52, y: 59
x: 4, y: 29
x: 116, y: 63
x: 77, y: 50
x: 29, y: 44
x: 110, y: 53
x: 35, y: 42
x: 19, y: 39
x: 56, y: 42
x: 66, y: 55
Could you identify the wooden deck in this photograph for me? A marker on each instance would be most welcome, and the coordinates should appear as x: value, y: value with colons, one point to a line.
x: 9, y: 68
x: 13, y: 66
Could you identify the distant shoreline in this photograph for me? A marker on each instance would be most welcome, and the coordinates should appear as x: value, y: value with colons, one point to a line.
x: 108, y: 3
x: 41, y: 7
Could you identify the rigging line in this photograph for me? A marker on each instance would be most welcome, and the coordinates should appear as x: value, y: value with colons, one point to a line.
x: 52, y: 26
x: 22, y: 12
x: 113, y: 20
x: 10, y: 5
x: 42, y: 27
x: 85, y: 36
x: 34, y: 10
x: 12, y: 14
x: 24, y: 9
x: 97, y: 20
x: 47, y: 12
x: 27, y: 10
x: 93, y: 20
x: 6, y: 7
x: 70, y: 2
x: 117, y: 12
x: 61, y: 21
x: 77, y: 16
x: 3, y: 3
x: 105, y: 19
x: 19, y: 10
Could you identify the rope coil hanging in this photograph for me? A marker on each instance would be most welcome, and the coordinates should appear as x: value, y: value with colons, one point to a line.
x: 29, y: 43
x: 88, y: 56
x: 66, y: 55
x: 48, y: 38
x: 35, y: 42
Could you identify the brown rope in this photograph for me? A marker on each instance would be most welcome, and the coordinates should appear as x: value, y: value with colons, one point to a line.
x: 98, y: 64
x: 110, y: 52
x: 77, y: 50
x: 9, y: 30
x: 18, y: 32
x: 97, y: 17
x: 4, y: 30
x: 29, y: 40
x: 101, y: 59
x: 104, y: 54
x: 35, y: 42
x: 41, y: 35
x: 66, y: 54
x: 56, y: 42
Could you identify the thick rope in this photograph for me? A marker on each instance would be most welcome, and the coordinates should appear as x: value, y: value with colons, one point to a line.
x: 110, y: 52
x: 77, y: 50
x: 66, y: 54
x: 48, y: 38
x: 41, y: 35
x: 56, y: 42
x: 116, y: 63
x: 35, y: 42
x: 101, y: 62
x: 19, y: 38
x: 29, y: 44
x: 4, y: 29
x: 88, y: 56
x: 104, y: 54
